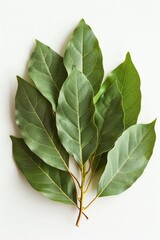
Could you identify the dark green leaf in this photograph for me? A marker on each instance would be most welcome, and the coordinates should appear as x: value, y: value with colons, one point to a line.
x: 109, y: 116
x: 84, y: 52
x: 47, y: 70
x: 128, y: 159
x: 102, y: 162
x: 109, y: 120
x: 128, y: 81
x: 55, y: 184
x: 99, y: 162
x: 36, y: 122
x: 75, y: 112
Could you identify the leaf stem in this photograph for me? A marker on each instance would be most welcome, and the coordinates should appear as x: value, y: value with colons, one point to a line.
x: 89, y: 183
x: 89, y: 168
x: 75, y: 179
x: 85, y: 215
x: 90, y: 180
x: 90, y: 202
x: 92, y: 174
x: 82, y: 195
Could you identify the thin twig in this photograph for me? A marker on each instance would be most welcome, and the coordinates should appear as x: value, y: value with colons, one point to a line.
x: 75, y: 179
x: 77, y: 194
x: 90, y: 202
x: 84, y: 214
x: 92, y: 175
x: 82, y: 195
x: 89, y: 182
x: 88, y: 168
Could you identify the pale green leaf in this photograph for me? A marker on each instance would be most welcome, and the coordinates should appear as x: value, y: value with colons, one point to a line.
x: 128, y: 159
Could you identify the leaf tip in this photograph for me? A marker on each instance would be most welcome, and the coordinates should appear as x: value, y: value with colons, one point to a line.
x: 37, y: 41
x: 154, y: 121
x: 18, y: 78
x: 82, y: 21
x: 11, y: 137
x: 128, y: 56
x: 14, y: 139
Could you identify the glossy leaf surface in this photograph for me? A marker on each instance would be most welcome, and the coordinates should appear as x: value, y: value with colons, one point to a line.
x: 55, y: 184
x: 47, y: 71
x: 74, y: 117
x: 37, y: 125
x: 128, y: 159
x: 83, y: 51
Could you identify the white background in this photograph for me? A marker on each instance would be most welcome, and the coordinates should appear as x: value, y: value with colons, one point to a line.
x: 121, y: 26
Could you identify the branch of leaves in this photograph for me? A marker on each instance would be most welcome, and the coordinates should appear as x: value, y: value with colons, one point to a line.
x: 70, y: 111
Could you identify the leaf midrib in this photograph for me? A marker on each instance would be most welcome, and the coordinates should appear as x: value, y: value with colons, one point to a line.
x: 82, y: 48
x: 48, y: 69
x: 78, y: 123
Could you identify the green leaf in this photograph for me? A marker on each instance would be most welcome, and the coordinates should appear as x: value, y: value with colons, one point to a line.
x: 74, y: 117
x: 55, y: 184
x: 128, y: 81
x: 47, y: 71
x: 37, y: 125
x: 83, y: 51
x: 102, y: 162
x: 109, y: 116
x: 127, y: 160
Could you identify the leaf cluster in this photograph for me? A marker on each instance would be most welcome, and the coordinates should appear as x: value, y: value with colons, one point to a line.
x: 71, y: 110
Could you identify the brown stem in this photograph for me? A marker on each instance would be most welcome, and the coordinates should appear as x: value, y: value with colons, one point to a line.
x: 75, y: 179
x: 80, y: 211
x: 85, y: 215
x: 92, y: 174
x: 89, y: 168
x: 77, y: 192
